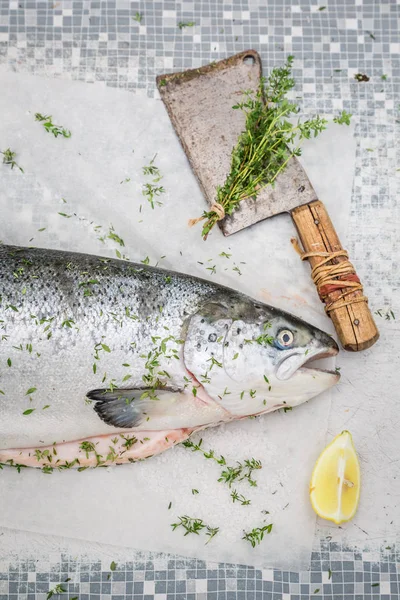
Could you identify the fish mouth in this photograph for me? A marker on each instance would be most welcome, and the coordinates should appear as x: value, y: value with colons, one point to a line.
x: 297, y: 362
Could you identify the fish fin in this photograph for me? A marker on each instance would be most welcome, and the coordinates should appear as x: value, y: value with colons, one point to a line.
x: 128, y: 407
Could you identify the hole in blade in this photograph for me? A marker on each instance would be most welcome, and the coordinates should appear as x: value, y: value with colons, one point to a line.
x: 249, y: 60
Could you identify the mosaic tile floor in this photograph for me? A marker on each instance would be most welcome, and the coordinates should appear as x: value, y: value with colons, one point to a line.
x: 126, y: 44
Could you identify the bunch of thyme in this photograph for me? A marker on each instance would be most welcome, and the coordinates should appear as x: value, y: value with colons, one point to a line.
x: 267, y: 143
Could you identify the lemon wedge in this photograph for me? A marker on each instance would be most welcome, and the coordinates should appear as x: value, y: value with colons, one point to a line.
x: 335, y: 481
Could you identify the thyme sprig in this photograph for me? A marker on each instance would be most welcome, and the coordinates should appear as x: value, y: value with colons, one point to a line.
x: 9, y: 159
x: 57, y: 590
x: 267, y: 143
x: 151, y: 191
x: 240, y: 472
x: 256, y: 535
x: 192, y: 525
x: 49, y: 126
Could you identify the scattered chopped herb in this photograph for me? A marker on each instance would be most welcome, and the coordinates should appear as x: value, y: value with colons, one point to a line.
x: 151, y: 191
x: 9, y: 159
x: 329, y: 574
x: 169, y: 505
x: 225, y: 254
x: 31, y: 391
x: 192, y: 525
x: 343, y: 118
x: 49, y: 126
x: 183, y: 24
x: 375, y: 584
x: 68, y: 323
x: 56, y: 591
x: 129, y: 441
x: 384, y: 77
x: 371, y: 35
x: 256, y: 535
x: 388, y: 315
x: 194, y: 492
x: 361, y: 77
x: 265, y: 340
x: 87, y: 447
x: 10, y: 463
x: 238, y: 271
x: 113, y: 566
x: 113, y: 236
x: 29, y: 411
x: 239, y: 498
x: 316, y: 591
x: 138, y: 17
x: 262, y: 151
x: 243, y: 471
x: 321, y: 8
x: 145, y: 261
x: 9, y: 363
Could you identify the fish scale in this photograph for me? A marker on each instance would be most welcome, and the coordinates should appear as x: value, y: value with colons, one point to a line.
x: 114, y: 347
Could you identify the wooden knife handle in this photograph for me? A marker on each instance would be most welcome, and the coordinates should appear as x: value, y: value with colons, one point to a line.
x: 350, y: 313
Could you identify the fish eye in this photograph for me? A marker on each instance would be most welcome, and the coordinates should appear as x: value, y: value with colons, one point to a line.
x: 285, y: 337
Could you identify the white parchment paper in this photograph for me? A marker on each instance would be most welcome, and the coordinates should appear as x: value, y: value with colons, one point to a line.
x: 96, y: 178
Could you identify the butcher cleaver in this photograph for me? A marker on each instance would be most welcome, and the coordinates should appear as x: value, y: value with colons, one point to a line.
x: 199, y: 103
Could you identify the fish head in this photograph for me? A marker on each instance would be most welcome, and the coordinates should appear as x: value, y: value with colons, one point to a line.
x: 252, y: 358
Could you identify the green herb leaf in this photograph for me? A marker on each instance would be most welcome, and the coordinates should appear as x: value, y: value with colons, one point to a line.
x: 192, y: 525
x: 256, y: 535
x: 8, y: 159
x: 49, y: 126
x: 113, y: 566
x: 30, y: 391
x: 343, y: 118
x: 361, y: 77
x: 58, y: 589
x: 183, y: 24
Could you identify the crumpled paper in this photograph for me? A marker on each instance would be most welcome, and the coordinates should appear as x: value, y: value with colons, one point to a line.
x: 95, y: 178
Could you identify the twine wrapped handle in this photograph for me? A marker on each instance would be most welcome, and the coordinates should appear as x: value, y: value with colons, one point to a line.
x: 330, y: 277
x: 217, y: 208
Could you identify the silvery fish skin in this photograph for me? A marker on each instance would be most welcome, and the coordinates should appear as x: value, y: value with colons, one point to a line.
x: 113, y: 361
